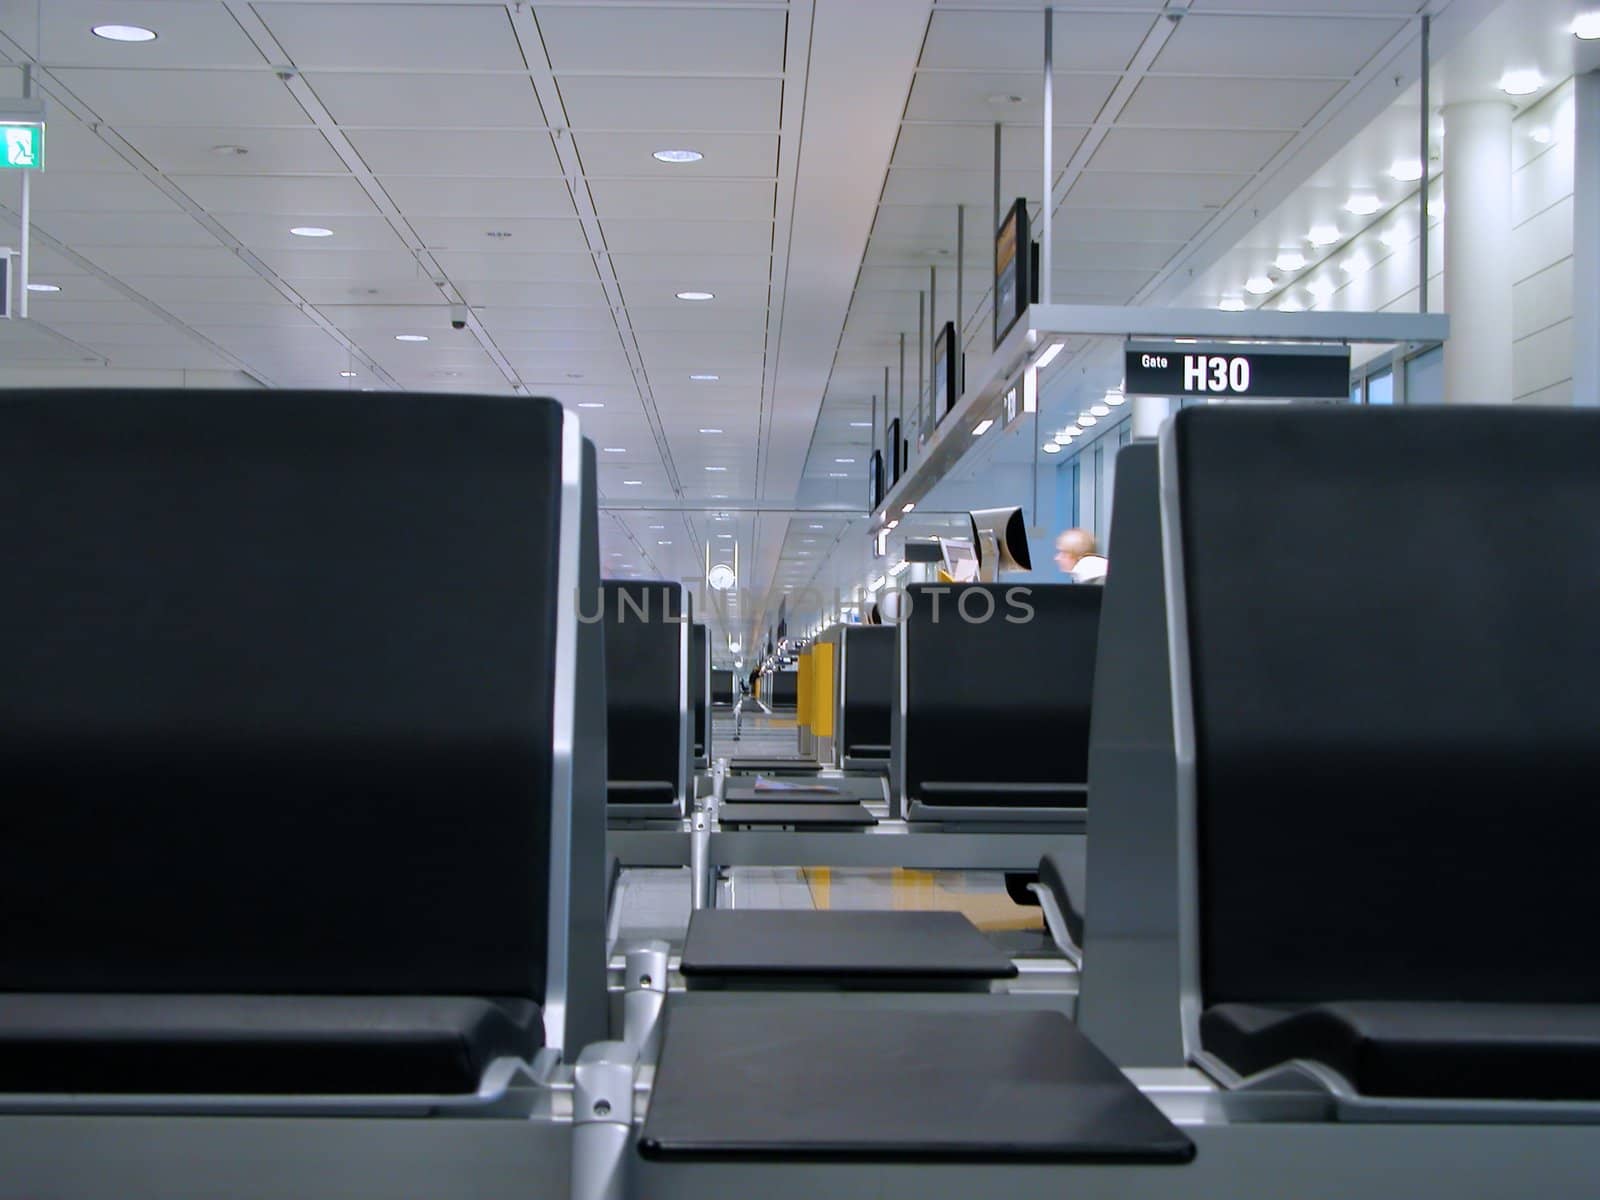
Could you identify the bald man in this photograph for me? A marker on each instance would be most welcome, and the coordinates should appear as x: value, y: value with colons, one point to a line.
x: 1078, y: 556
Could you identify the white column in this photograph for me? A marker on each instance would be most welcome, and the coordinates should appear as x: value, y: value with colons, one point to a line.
x: 1586, y: 242
x: 1477, y: 252
x: 1148, y: 414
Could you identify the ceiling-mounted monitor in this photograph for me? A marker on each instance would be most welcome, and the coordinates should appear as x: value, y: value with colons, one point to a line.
x: 946, y: 373
x: 1013, y: 269
x: 875, y: 486
x: 895, y: 452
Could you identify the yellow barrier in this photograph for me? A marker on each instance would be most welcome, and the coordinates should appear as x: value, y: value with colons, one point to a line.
x: 802, y: 693
x: 822, y: 689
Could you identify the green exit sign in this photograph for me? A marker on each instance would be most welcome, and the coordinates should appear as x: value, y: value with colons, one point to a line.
x: 23, y: 146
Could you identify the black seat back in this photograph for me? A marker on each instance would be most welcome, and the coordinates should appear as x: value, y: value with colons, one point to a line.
x: 649, y: 724
x: 1386, y: 680
x: 700, y: 693
x: 724, y: 687
x: 998, y: 679
x: 784, y: 689
x: 869, y: 692
x: 1128, y: 995
x: 282, y: 674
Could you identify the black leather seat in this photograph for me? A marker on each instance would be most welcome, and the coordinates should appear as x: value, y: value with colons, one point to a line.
x: 869, y: 690
x: 1394, y: 742
x: 648, y: 696
x: 997, y: 700
x: 700, y: 693
x: 278, y: 713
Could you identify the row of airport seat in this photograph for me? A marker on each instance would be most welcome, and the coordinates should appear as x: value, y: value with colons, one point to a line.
x: 306, y: 763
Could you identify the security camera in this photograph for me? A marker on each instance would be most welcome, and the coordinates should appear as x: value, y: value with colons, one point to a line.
x: 458, y: 316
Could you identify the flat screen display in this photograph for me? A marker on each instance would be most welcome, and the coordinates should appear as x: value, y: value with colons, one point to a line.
x: 1012, y: 259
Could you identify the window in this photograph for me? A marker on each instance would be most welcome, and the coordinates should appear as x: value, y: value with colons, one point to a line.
x: 1425, y: 377
x: 1380, y: 387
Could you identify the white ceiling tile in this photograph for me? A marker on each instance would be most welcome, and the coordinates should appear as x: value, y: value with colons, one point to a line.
x: 1231, y: 151
x: 187, y: 34
x: 737, y: 200
x: 66, y: 191
x: 961, y: 147
x: 510, y: 153
x: 187, y: 357
x: 603, y: 344
x: 498, y: 319
x: 281, y: 315
x: 679, y: 317
x: 1014, y: 40
x: 185, y: 262
x: 671, y: 105
x: 387, y: 318
x: 1125, y: 224
x: 424, y: 100
x: 179, y: 150
x: 530, y: 268
x: 691, y: 350
x: 244, y: 289
x: 729, y: 296
x: 698, y: 271
x: 1406, y: 8
x: 483, y: 197
x: 1186, y: 102
x: 395, y: 37
x: 1120, y: 284
x: 231, y: 97
x: 261, y: 232
x: 86, y: 289
x: 160, y: 230
x: 71, y: 146
x: 693, y: 41
x: 1207, y: 45
x: 974, y: 188
x: 642, y: 235
x: 549, y: 235
x: 278, y: 195
x: 1153, y: 189
x: 60, y: 313
x: 984, y: 97
x: 533, y: 295
x: 727, y: 155
x: 412, y: 290
x: 357, y: 266
x: 1087, y: 255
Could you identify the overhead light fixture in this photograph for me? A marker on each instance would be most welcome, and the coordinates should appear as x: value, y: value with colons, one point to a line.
x: 907, y: 507
x: 1258, y: 285
x: 900, y: 568
x: 1363, y: 204
x: 663, y: 543
x: 1232, y: 304
x: 845, y: 461
x: 709, y: 430
x: 124, y: 33
x: 1071, y: 431
x: 716, y: 468
x: 860, y: 424
x: 1052, y: 448
x: 1541, y: 135
x: 677, y: 156
x: 633, y: 483
x: 653, y: 528
x: 1524, y: 81
x: 813, y: 526
x: 705, y: 378
x: 1049, y: 355
x: 838, y: 475
x: 1087, y: 419
x: 347, y: 374
x: 44, y: 287
x: 876, y: 582
x: 1100, y: 410
x: 1115, y: 397
x: 697, y: 295
x: 1323, y: 235
x: 982, y: 427
x: 1587, y: 25
x: 591, y: 404
x: 1406, y: 170
x: 891, y: 524
x: 1356, y: 264
x: 410, y: 337
x: 311, y: 231
x: 616, y: 449
x: 724, y: 535
x: 1289, y: 260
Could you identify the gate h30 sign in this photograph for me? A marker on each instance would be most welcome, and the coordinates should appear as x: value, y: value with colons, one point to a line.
x: 1234, y: 370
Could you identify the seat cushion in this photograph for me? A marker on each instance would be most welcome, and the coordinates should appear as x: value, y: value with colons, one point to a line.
x: 1424, y: 1050
x: 258, y: 1045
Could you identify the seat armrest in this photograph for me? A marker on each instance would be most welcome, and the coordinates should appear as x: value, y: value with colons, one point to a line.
x: 1062, y: 904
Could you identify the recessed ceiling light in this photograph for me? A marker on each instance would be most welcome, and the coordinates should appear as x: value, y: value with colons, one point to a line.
x: 1114, y: 398
x: 1406, y: 170
x: 724, y: 535
x: 616, y: 449
x: 1587, y: 25
x: 1071, y: 431
x: 983, y: 427
x: 709, y: 430
x: 705, y: 378
x: 813, y: 526
x: 1323, y: 235
x: 838, y: 475
x: 124, y: 33
x: 44, y: 287
x: 1258, y: 285
x: 716, y: 468
x: 907, y: 507
x: 1363, y: 204
x: 410, y: 337
x: 697, y: 295
x: 677, y: 156
x: 311, y: 231
x: 1086, y: 419
x: 1522, y: 82
x: 1289, y: 260
x: 656, y: 527
x: 1232, y: 304
x: 591, y: 404
x: 1052, y: 448
x: 845, y: 461
x: 1542, y: 135
x: 633, y: 483
x: 663, y: 543
x: 860, y: 424
x: 1100, y: 410
x: 347, y: 374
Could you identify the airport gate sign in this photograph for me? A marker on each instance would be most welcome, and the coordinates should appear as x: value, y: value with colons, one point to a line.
x: 1231, y: 370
